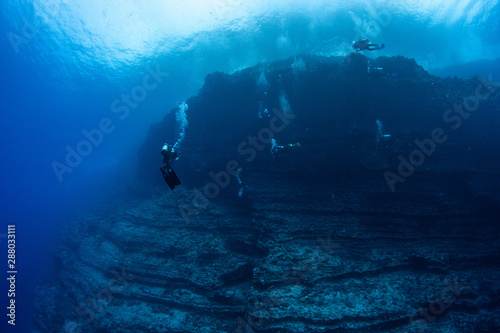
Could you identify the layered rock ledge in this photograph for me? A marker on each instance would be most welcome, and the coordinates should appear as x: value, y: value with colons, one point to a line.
x: 319, y: 241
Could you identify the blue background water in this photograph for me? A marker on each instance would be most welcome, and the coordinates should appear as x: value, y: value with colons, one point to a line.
x: 63, y: 64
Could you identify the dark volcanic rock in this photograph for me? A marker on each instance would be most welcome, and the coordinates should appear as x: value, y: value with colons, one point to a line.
x: 318, y: 242
x: 335, y: 103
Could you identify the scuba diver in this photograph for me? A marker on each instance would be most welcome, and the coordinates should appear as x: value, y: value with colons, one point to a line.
x: 169, y: 155
x: 241, y: 184
x: 279, y: 150
x: 364, y: 44
x: 380, y: 132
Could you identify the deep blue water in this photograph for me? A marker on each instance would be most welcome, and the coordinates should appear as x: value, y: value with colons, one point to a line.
x: 65, y: 63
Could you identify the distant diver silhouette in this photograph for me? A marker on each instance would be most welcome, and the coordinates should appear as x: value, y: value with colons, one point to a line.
x: 277, y: 151
x: 364, y: 44
x: 240, y: 182
x: 169, y: 155
x: 380, y: 132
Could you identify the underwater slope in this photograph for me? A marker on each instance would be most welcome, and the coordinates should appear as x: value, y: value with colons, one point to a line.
x: 318, y: 242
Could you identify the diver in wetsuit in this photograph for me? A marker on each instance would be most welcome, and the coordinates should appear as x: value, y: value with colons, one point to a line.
x: 276, y: 150
x: 364, y: 44
x: 169, y: 155
x: 380, y: 132
x: 241, y: 183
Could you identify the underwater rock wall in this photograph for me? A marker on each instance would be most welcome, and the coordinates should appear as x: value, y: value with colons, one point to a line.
x: 318, y: 241
x: 335, y: 103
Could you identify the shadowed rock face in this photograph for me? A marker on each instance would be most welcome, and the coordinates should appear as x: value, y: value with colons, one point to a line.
x: 318, y: 242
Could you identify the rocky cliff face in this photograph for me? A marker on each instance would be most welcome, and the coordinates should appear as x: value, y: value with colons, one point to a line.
x: 349, y: 232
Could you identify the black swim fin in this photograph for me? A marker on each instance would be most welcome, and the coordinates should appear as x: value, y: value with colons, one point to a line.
x: 170, y: 177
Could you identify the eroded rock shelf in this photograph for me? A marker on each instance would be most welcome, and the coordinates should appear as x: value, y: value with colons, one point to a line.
x: 318, y: 242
